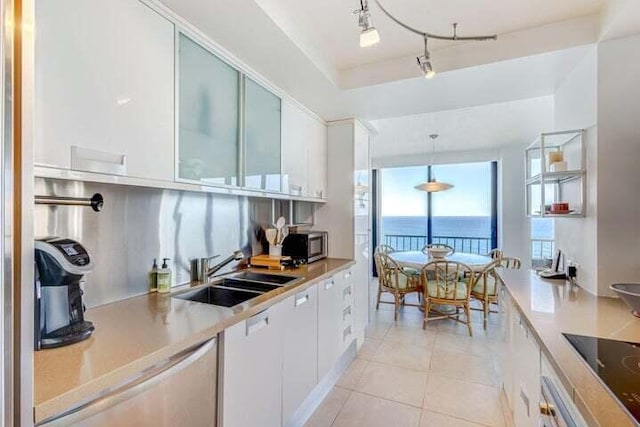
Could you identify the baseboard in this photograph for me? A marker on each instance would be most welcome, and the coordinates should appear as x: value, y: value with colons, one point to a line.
x: 318, y: 394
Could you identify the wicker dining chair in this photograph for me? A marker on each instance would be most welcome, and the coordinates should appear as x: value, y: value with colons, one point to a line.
x: 397, y: 281
x: 485, y: 288
x: 510, y: 263
x: 425, y: 248
x: 447, y: 283
x: 384, y: 249
x: 495, y: 254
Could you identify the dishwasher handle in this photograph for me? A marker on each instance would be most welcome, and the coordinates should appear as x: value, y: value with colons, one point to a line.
x: 137, y: 385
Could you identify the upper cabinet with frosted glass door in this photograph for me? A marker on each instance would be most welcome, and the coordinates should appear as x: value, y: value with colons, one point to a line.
x: 104, y: 88
x: 208, y: 116
x: 262, y: 136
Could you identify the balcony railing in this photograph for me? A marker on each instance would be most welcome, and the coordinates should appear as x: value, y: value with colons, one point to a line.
x: 474, y: 245
x: 541, y: 249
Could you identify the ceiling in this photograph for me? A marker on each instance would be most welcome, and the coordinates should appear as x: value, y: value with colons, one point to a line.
x: 468, y: 129
x: 331, y: 28
x: 310, y: 50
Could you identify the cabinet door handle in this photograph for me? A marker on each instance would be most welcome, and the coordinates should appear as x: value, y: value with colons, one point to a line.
x: 347, y: 274
x: 346, y: 333
x: 525, y: 400
x: 346, y: 313
x: 301, y: 299
x: 347, y: 292
x: 86, y: 159
x: 329, y: 284
x: 257, y: 322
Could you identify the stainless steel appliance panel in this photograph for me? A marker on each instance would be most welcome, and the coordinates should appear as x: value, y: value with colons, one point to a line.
x: 179, y: 392
x: 6, y: 220
x: 139, y: 224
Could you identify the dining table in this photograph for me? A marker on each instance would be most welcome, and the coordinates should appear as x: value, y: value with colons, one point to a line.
x: 418, y: 259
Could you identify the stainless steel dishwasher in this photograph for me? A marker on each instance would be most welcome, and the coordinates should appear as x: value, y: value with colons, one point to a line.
x: 180, y: 391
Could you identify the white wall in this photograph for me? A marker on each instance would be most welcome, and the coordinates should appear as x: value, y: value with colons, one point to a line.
x: 618, y: 162
x: 601, y: 94
x: 575, y: 107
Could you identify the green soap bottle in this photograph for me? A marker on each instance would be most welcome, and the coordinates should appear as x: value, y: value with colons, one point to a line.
x: 164, y: 277
x: 153, y: 277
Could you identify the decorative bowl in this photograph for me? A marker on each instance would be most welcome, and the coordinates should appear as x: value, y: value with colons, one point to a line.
x: 629, y: 293
x: 438, y: 252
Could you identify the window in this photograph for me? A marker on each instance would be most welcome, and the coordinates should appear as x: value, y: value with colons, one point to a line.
x: 463, y: 217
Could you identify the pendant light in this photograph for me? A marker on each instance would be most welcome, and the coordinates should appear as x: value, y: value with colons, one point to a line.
x: 432, y: 185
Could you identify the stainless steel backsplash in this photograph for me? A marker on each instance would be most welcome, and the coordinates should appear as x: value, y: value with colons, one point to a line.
x: 139, y: 224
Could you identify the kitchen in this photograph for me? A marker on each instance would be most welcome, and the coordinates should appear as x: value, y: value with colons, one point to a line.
x: 165, y: 144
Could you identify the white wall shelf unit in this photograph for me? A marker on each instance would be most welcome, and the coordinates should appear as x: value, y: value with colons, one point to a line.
x: 556, y: 173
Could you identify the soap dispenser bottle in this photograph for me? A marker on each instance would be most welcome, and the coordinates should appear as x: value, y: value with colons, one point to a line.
x: 153, y: 277
x: 164, y: 277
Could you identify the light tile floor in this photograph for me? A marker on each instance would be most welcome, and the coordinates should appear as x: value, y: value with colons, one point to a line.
x: 406, y: 376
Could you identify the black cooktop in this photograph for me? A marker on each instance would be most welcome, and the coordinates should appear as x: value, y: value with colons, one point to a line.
x: 617, y: 364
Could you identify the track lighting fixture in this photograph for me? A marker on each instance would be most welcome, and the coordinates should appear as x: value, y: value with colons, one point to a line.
x: 368, y: 35
x: 424, y: 62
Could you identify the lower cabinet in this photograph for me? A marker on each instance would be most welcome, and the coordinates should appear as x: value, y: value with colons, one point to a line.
x: 330, y: 324
x: 519, y: 366
x: 526, y: 385
x: 273, y: 361
x: 300, y: 365
x: 251, y: 391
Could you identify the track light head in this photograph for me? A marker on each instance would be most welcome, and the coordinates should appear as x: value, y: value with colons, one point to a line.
x: 369, y: 36
x: 424, y: 62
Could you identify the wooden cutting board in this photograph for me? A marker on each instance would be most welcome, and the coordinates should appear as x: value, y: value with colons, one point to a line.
x: 271, y: 262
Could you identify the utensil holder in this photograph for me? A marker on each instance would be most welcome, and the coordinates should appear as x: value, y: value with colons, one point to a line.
x: 275, y: 250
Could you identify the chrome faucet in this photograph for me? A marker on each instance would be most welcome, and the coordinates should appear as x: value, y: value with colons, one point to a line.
x: 201, y: 271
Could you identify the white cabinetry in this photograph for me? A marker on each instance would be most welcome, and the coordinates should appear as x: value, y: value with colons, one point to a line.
x: 330, y: 324
x: 105, y: 88
x: 526, y: 378
x: 304, y: 157
x: 346, y: 215
x: 317, y: 171
x: 251, y: 391
x: 345, y: 280
x: 300, y: 366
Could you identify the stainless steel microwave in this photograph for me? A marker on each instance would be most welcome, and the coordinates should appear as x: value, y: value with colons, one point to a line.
x: 306, y: 247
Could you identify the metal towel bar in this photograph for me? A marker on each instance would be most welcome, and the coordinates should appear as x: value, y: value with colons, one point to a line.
x: 96, y: 202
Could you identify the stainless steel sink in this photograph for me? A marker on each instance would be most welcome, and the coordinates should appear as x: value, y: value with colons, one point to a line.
x: 629, y: 293
x: 278, y: 279
x: 219, y: 296
x: 236, y: 289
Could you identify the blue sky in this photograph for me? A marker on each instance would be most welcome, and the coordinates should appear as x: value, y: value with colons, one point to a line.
x: 471, y: 195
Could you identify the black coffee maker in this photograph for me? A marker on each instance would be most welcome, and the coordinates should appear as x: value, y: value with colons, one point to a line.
x: 60, y: 265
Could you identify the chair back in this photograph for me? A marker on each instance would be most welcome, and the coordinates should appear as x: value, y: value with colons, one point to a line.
x: 511, y: 263
x: 384, y: 249
x: 488, y: 279
x: 425, y: 248
x: 495, y: 254
x: 392, y: 275
x: 447, y: 280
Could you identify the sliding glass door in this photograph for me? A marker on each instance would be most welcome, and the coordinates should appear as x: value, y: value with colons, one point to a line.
x: 464, y: 217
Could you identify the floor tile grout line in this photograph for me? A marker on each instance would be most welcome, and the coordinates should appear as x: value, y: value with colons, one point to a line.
x: 456, y: 417
x: 387, y: 399
x: 341, y: 407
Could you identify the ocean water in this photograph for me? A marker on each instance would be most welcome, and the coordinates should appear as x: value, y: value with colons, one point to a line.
x: 459, y: 226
